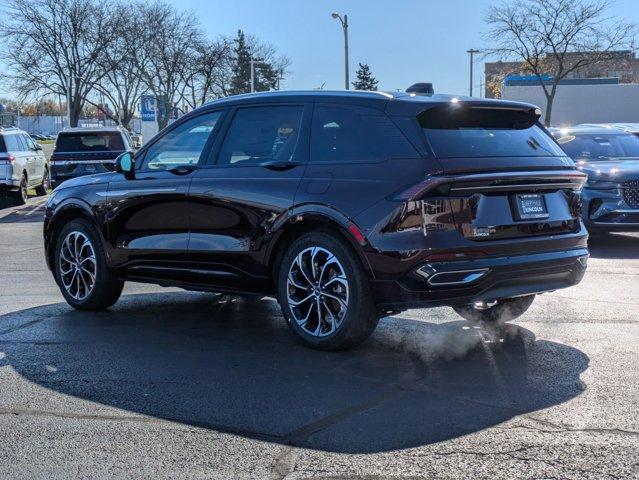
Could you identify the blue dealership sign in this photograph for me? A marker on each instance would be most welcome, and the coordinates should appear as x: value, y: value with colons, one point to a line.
x: 148, y: 105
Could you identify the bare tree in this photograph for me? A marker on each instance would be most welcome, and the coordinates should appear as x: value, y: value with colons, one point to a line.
x: 205, y: 64
x: 168, y: 38
x: 52, y: 47
x: 123, y: 62
x: 554, y: 38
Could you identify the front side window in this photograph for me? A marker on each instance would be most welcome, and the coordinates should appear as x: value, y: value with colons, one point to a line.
x: 181, y: 146
x: 89, y: 142
x: 262, y: 134
x: 599, y: 146
x: 458, y: 132
x: 348, y: 133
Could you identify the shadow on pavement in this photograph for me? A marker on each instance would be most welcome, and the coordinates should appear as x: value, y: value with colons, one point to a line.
x: 230, y: 364
x: 32, y: 212
x: 614, y: 245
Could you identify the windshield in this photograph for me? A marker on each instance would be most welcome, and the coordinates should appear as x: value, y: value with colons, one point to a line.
x: 90, y: 142
x: 485, y: 133
x: 599, y: 146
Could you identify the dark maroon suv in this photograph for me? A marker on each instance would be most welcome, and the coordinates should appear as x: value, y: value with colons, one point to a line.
x: 346, y: 206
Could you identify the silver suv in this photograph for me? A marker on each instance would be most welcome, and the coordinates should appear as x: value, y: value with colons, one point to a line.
x: 22, y: 165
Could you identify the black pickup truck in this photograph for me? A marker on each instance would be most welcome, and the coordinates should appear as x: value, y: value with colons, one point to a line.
x: 84, y: 151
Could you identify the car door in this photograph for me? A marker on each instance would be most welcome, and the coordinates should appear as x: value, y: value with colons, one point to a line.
x: 37, y: 160
x: 244, y: 190
x: 15, y: 148
x: 148, y: 215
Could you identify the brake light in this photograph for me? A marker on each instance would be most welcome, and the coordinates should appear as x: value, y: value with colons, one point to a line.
x: 12, y: 159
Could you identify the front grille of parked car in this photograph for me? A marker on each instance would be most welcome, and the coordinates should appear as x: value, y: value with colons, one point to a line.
x: 631, y: 193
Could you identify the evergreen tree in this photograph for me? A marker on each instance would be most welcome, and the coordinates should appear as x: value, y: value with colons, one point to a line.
x: 365, y: 80
x: 266, y: 75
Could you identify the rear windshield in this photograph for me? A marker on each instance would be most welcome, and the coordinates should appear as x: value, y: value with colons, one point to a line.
x: 599, y: 146
x: 90, y: 142
x: 456, y: 132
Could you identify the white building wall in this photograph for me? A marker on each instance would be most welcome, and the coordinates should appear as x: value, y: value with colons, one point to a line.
x: 583, y: 103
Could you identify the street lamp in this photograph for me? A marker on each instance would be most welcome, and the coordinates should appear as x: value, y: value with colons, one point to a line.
x: 253, y: 63
x: 344, y: 22
x: 472, y: 52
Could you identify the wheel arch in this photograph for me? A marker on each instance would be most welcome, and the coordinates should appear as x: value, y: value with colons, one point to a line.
x: 69, y: 210
x: 323, y: 219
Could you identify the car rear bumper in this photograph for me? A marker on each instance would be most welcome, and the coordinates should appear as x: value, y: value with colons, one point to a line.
x: 501, y: 277
x: 9, y: 186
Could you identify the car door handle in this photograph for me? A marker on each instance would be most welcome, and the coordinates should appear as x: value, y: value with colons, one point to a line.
x: 279, y: 166
x: 183, y: 169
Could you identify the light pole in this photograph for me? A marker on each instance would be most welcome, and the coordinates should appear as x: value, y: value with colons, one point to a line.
x: 472, y: 52
x: 344, y: 22
x: 253, y: 63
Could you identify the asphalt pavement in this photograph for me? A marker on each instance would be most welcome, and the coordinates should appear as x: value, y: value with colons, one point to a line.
x: 174, y: 384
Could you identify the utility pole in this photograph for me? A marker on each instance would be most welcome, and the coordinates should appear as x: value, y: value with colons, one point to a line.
x: 253, y: 63
x: 344, y: 22
x: 472, y: 52
x: 69, y: 102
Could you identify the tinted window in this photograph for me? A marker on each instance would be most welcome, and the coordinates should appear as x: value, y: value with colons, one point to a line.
x: 89, y: 142
x: 599, y: 147
x: 262, y: 134
x: 3, y: 146
x: 347, y: 133
x: 182, y: 145
x: 468, y: 132
x: 13, y: 143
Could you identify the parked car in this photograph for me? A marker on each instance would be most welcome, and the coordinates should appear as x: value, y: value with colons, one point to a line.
x: 626, y: 127
x: 610, y: 158
x: 84, y: 151
x: 346, y: 206
x: 22, y: 165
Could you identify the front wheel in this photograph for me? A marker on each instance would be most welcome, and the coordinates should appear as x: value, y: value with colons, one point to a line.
x: 324, y: 293
x: 43, y: 189
x: 81, y: 269
x: 498, y: 312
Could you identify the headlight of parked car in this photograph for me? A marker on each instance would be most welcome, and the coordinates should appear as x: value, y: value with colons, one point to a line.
x: 602, y: 184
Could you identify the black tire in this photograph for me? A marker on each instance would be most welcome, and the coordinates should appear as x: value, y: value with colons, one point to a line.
x: 503, y: 311
x: 360, y: 318
x: 20, y: 197
x: 107, y: 287
x: 42, y: 190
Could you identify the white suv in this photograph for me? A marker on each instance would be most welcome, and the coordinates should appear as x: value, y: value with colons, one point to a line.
x: 22, y: 165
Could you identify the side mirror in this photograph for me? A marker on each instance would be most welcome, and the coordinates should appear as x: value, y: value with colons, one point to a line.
x: 38, y: 147
x: 125, y: 164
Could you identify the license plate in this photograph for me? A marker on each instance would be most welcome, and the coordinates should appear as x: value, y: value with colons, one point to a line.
x: 530, y: 206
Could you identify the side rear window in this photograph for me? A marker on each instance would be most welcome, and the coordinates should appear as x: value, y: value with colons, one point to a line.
x: 13, y: 143
x: 455, y: 131
x: 262, y: 134
x: 347, y: 133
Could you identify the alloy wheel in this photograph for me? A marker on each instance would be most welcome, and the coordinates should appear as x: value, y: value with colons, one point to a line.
x: 317, y: 291
x: 77, y: 265
x: 46, y: 181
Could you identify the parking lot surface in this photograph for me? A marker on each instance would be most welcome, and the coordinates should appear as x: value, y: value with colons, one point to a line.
x: 173, y: 384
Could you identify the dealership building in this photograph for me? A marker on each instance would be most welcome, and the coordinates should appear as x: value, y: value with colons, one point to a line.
x: 601, y: 92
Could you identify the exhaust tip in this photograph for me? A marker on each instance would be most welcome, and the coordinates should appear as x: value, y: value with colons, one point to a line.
x: 457, y: 277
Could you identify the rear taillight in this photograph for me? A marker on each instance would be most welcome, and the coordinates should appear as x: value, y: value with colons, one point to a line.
x: 11, y: 159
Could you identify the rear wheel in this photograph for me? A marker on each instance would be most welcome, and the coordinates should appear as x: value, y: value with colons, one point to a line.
x: 20, y: 197
x: 499, y: 312
x: 43, y: 189
x: 81, y: 270
x: 324, y: 293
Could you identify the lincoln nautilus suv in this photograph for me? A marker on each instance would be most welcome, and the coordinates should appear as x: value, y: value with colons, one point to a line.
x: 345, y: 206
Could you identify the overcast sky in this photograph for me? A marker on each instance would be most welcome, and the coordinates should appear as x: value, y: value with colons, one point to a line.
x: 403, y: 41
